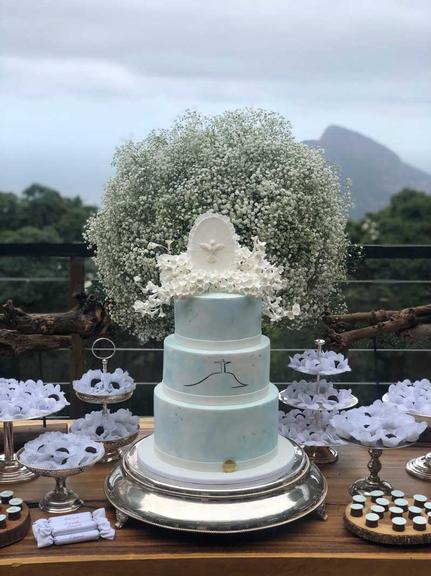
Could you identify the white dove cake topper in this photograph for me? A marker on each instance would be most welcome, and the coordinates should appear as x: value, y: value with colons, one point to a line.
x: 215, y: 262
x: 213, y: 244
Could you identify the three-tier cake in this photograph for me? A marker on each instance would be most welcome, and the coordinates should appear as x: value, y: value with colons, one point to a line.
x: 216, y: 461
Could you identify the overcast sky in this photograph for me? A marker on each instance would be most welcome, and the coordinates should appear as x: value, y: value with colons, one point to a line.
x: 79, y: 77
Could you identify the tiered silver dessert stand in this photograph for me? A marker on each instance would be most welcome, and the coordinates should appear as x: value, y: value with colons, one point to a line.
x: 112, y: 447
x: 322, y: 453
x: 11, y: 470
x: 137, y: 493
x: 419, y: 467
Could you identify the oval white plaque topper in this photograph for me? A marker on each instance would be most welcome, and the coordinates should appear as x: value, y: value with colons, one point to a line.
x: 212, y: 243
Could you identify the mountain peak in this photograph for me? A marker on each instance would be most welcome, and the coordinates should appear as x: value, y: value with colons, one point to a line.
x: 376, y: 171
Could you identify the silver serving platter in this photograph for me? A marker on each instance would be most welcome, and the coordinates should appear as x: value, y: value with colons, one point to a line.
x: 223, y: 509
x: 112, y: 447
x: 104, y: 398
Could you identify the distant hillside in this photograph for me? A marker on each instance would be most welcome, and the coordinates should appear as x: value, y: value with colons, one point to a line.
x: 376, y: 172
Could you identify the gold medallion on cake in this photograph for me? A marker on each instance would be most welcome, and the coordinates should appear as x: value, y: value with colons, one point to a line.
x: 229, y: 465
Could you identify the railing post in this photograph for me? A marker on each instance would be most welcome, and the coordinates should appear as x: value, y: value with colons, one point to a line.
x: 76, y: 285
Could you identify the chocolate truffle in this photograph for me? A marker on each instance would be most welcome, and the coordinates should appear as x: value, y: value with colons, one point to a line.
x: 399, y: 524
x: 2, y: 520
x: 359, y: 499
x: 356, y: 509
x: 16, y: 502
x: 379, y: 510
x: 419, y: 523
x: 383, y: 502
x: 13, y: 512
x: 414, y: 511
x: 397, y: 494
x: 372, y: 520
x: 376, y: 494
x: 429, y: 517
x: 427, y: 506
x: 5, y: 496
x: 395, y: 512
x: 419, y: 500
x: 402, y: 503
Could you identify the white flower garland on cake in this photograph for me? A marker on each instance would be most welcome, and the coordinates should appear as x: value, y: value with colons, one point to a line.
x: 252, y: 276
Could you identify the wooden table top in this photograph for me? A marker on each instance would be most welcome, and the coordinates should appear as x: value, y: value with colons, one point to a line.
x: 309, y: 546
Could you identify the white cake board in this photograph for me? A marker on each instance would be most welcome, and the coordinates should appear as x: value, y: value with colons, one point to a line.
x: 151, y: 463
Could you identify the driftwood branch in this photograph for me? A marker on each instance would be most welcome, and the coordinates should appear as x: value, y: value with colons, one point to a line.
x: 410, y: 323
x: 21, y: 332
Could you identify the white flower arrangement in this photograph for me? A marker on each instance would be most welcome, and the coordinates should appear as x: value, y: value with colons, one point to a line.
x: 380, y: 424
x: 326, y: 363
x: 107, y: 427
x: 308, y: 428
x: 29, y: 399
x: 244, y: 164
x: 411, y: 397
x: 317, y: 396
x: 253, y: 275
x: 98, y: 383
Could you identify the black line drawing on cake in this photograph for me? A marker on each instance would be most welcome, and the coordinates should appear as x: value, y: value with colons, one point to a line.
x: 222, y: 370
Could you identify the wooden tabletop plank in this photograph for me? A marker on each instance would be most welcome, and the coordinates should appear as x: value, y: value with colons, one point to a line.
x: 309, y: 546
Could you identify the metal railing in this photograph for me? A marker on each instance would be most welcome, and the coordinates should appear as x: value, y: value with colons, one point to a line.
x: 77, y: 253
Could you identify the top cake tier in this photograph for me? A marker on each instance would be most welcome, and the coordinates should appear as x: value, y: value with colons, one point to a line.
x: 218, y: 317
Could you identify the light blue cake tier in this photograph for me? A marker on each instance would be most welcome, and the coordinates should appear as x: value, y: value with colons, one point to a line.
x: 207, y: 432
x: 218, y: 316
x: 224, y: 372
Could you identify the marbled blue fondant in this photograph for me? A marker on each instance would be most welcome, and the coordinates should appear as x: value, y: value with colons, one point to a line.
x: 218, y: 316
x: 208, y: 433
x: 216, y: 373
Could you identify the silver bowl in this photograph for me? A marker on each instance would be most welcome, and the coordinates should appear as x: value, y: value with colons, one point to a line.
x: 62, y: 499
x: 113, y: 447
x: 104, y: 398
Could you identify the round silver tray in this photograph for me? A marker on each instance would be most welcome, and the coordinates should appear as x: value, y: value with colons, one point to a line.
x: 223, y: 509
x: 112, y: 447
x: 104, y: 398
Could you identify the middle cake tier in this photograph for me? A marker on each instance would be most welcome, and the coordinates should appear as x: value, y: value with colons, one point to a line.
x: 216, y: 372
x: 242, y: 428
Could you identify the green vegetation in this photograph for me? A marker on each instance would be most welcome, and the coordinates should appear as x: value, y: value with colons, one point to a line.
x: 39, y: 214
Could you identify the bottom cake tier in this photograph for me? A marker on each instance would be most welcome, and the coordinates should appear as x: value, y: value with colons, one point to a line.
x: 204, y: 436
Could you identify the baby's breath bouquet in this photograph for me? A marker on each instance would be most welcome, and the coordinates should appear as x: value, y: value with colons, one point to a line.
x: 244, y: 164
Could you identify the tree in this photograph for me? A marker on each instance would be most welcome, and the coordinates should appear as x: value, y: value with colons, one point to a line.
x: 39, y: 214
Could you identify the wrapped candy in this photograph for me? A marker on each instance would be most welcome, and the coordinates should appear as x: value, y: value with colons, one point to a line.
x: 378, y: 424
x: 317, y: 396
x: 107, y: 427
x: 318, y: 362
x: 308, y: 428
x: 60, y: 451
x: 29, y: 399
x: 412, y: 397
x: 98, y: 383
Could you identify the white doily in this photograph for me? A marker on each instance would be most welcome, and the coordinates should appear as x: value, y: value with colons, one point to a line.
x: 60, y: 451
x: 379, y: 423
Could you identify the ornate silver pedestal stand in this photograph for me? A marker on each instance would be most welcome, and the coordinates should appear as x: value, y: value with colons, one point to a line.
x: 227, y: 508
x: 373, y: 481
x: 421, y: 467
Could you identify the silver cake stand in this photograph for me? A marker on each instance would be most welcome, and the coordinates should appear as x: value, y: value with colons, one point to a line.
x: 223, y: 509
